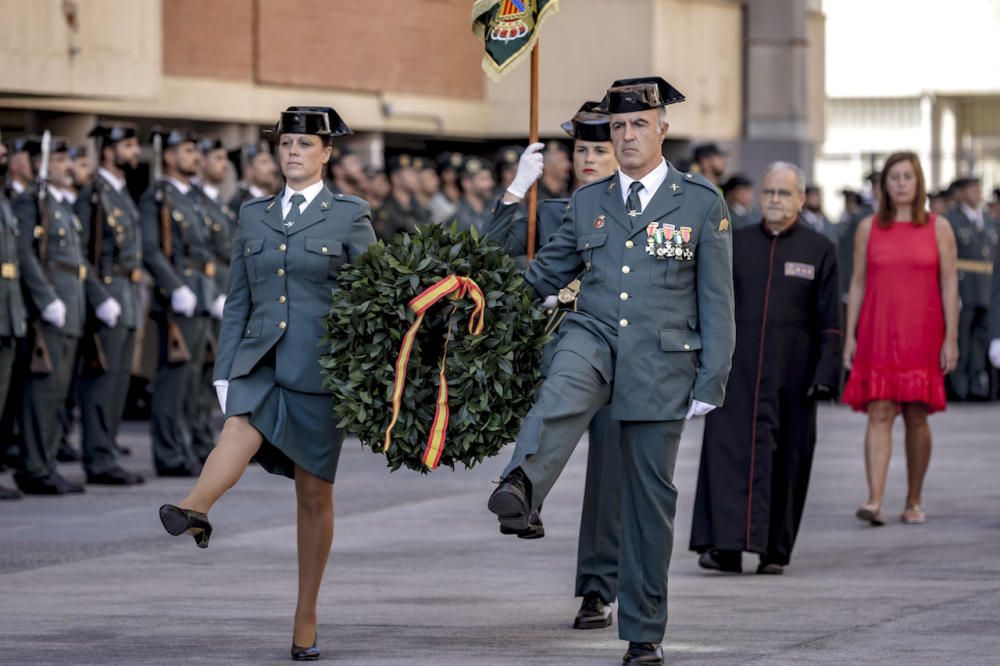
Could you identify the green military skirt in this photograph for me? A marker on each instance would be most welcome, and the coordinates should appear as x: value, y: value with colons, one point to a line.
x: 298, y: 428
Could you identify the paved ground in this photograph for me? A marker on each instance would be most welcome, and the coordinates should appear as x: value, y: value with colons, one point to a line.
x: 420, y: 575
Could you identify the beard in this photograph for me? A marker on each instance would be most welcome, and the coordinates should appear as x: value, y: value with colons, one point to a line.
x: 126, y: 167
x: 3, y: 169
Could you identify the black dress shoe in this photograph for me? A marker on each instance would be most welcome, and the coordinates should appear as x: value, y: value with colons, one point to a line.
x: 177, y: 521
x: 179, y: 471
x: 35, y: 485
x: 116, y: 476
x: 727, y: 561
x: 67, y: 453
x: 594, y: 613
x: 535, y: 529
x: 643, y: 653
x: 71, y: 487
x: 9, y: 493
x: 770, y: 568
x: 310, y: 653
x: 511, y: 502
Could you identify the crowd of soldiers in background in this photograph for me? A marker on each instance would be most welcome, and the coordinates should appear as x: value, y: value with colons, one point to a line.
x: 183, y: 277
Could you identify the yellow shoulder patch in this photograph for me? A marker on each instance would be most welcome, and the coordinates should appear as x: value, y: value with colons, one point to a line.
x: 724, y: 224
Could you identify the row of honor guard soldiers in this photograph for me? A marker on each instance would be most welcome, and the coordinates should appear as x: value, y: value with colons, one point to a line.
x: 75, y: 292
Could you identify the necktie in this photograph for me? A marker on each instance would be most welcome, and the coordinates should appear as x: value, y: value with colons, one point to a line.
x: 294, y: 212
x: 632, y: 205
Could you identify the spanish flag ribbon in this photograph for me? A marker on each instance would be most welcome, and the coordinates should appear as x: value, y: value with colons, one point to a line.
x: 457, y: 287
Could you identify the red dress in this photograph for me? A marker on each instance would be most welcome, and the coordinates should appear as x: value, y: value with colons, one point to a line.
x: 901, y: 326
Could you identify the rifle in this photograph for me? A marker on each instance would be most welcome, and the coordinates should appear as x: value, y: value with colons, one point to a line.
x: 41, y: 360
x: 177, y: 349
x: 95, y: 361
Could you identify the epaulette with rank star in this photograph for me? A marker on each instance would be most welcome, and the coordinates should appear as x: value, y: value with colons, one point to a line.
x: 349, y: 198
x: 699, y: 179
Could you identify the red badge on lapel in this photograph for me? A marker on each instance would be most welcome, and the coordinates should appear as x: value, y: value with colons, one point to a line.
x: 599, y: 222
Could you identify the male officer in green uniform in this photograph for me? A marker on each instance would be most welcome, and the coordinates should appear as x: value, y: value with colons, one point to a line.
x: 653, y: 334
x: 977, y: 238
x: 400, y: 212
x: 222, y: 220
x: 13, y: 316
x: 258, y: 171
x: 114, y: 247
x: 177, y: 250
x: 474, y: 210
x: 59, y: 282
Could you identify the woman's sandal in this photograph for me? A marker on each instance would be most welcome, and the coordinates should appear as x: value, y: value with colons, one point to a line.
x: 913, y: 515
x: 871, y: 515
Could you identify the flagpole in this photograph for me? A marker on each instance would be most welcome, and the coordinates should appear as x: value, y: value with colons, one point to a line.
x: 533, y: 138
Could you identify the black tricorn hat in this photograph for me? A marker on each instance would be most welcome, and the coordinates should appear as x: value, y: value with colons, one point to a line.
x: 449, y: 160
x: 399, y: 162
x: 207, y: 144
x: 964, y: 181
x: 33, y: 145
x: 508, y: 156
x: 173, y: 137
x: 473, y: 164
x: 589, y: 123
x: 706, y: 150
x: 639, y: 94
x: 111, y: 133
x: 318, y: 120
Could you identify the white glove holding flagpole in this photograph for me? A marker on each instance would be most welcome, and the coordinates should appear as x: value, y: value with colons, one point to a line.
x: 529, y: 169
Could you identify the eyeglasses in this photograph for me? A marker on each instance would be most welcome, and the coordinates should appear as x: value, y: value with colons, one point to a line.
x: 781, y: 194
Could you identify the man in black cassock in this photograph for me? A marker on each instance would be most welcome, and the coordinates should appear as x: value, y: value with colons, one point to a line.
x: 758, y: 447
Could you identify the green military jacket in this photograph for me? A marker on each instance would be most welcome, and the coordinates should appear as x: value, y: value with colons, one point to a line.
x: 223, y: 219
x: 974, y: 244
x: 112, y: 213
x: 65, y: 274
x: 392, y: 218
x: 192, y: 260
x: 280, y: 283
x: 509, y: 226
x: 660, y: 329
x: 13, y: 316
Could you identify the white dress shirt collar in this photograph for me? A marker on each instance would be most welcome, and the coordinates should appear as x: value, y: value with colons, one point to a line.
x: 211, y: 191
x: 309, y: 193
x: 975, y: 215
x: 17, y: 186
x: 650, y: 183
x: 56, y: 193
x: 114, y: 181
x: 183, y: 188
x: 255, y: 192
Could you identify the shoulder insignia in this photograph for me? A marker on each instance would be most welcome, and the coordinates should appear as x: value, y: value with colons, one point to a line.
x: 724, y: 225
x: 258, y: 200
x: 350, y: 198
x: 698, y: 179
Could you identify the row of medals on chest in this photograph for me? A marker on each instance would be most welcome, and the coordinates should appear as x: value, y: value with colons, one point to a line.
x: 664, y: 241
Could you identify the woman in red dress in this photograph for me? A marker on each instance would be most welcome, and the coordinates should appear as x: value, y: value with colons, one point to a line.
x: 902, y: 320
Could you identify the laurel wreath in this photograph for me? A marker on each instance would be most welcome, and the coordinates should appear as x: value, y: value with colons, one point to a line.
x: 491, y: 377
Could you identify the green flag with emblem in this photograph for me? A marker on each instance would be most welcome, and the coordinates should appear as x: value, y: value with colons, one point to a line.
x: 508, y: 29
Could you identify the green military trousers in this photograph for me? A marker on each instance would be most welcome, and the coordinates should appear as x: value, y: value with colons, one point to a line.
x: 173, y: 386
x: 102, y: 400
x: 44, y: 397
x: 600, y: 524
x: 567, y: 401
x: 203, y: 405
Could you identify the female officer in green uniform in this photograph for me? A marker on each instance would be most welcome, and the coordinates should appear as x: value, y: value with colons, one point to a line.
x: 287, y: 252
x: 600, y: 528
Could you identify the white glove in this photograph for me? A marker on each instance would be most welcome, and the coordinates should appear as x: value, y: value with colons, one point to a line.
x: 221, y: 391
x: 218, y: 306
x: 551, y: 302
x: 183, y: 301
x: 698, y: 408
x: 55, y: 313
x: 995, y: 352
x: 108, y: 312
x: 529, y: 169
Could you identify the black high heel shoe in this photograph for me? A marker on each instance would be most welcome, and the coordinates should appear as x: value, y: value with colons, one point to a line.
x: 310, y: 653
x: 177, y: 521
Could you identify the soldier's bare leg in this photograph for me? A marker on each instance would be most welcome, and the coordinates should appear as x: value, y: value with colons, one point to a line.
x: 314, y: 499
x: 238, y: 443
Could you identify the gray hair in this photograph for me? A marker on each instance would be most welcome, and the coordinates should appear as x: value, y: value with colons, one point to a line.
x: 800, y: 178
x: 662, y: 117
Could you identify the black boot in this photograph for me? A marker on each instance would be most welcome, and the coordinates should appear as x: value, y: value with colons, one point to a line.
x: 511, y: 501
x: 643, y: 653
x: 594, y: 613
x: 9, y: 493
x: 727, y: 561
x: 536, y: 530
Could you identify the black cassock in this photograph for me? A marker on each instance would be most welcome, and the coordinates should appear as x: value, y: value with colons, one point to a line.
x: 758, y: 447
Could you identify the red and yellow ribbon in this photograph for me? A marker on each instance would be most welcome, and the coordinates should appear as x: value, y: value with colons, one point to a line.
x: 457, y: 287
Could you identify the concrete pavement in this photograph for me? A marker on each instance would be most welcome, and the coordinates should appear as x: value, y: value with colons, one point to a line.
x: 419, y: 573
